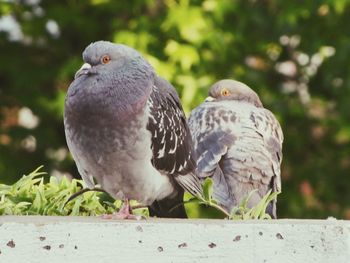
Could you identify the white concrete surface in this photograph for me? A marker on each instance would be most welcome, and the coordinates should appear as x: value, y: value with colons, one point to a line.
x: 86, y: 239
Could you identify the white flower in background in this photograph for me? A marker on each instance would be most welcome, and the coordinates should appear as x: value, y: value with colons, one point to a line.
x: 10, y: 25
x: 58, y: 155
x: 287, y: 68
x: 29, y: 143
x: 52, y: 28
x: 292, y: 41
x: 304, y: 94
x: 327, y: 51
x: 302, y: 58
x: 289, y: 86
x: 316, y: 59
x: 284, y: 40
x: 27, y: 119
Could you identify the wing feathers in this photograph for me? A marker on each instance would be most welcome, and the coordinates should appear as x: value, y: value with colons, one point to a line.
x: 171, y: 139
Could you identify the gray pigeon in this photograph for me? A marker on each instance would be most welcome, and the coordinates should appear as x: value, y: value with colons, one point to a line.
x: 126, y: 129
x: 238, y: 144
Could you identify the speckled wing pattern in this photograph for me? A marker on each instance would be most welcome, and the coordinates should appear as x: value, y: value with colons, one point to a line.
x: 239, y: 146
x: 172, y: 147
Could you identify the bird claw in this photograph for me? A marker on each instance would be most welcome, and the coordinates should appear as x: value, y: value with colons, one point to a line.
x: 125, y: 212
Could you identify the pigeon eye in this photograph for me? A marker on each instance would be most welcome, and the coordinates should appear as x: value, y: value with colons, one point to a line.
x: 105, y: 59
x: 225, y: 92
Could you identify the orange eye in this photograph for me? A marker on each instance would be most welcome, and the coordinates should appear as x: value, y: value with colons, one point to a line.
x: 105, y: 59
x: 225, y: 92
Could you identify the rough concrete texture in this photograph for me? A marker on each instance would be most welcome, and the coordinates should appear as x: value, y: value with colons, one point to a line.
x: 87, y: 239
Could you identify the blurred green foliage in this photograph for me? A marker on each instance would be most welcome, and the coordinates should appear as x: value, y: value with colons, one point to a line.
x: 294, y: 54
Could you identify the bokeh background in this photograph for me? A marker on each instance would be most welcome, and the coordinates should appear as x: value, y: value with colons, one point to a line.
x: 295, y: 54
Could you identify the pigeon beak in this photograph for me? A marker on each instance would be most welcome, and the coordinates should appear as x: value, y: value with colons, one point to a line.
x: 83, y: 70
x: 209, y: 99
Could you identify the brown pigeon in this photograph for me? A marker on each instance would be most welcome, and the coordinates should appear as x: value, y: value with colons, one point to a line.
x: 238, y: 144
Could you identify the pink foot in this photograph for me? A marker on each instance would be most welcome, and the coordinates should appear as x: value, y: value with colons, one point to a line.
x: 125, y: 212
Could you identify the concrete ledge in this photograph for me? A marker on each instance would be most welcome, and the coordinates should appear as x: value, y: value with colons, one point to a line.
x: 87, y: 239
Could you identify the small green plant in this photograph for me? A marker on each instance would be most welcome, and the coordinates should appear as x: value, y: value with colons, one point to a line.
x: 32, y: 196
x: 257, y: 212
x: 206, y: 205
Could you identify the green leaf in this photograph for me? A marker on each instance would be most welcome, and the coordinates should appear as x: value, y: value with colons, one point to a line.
x: 208, y: 189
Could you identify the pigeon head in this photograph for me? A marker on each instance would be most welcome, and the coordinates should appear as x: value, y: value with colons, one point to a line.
x: 115, y: 80
x: 228, y: 89
x: 103, y: 57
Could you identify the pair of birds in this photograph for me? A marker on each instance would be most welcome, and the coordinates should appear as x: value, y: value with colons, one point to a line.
x: 126, y: 129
